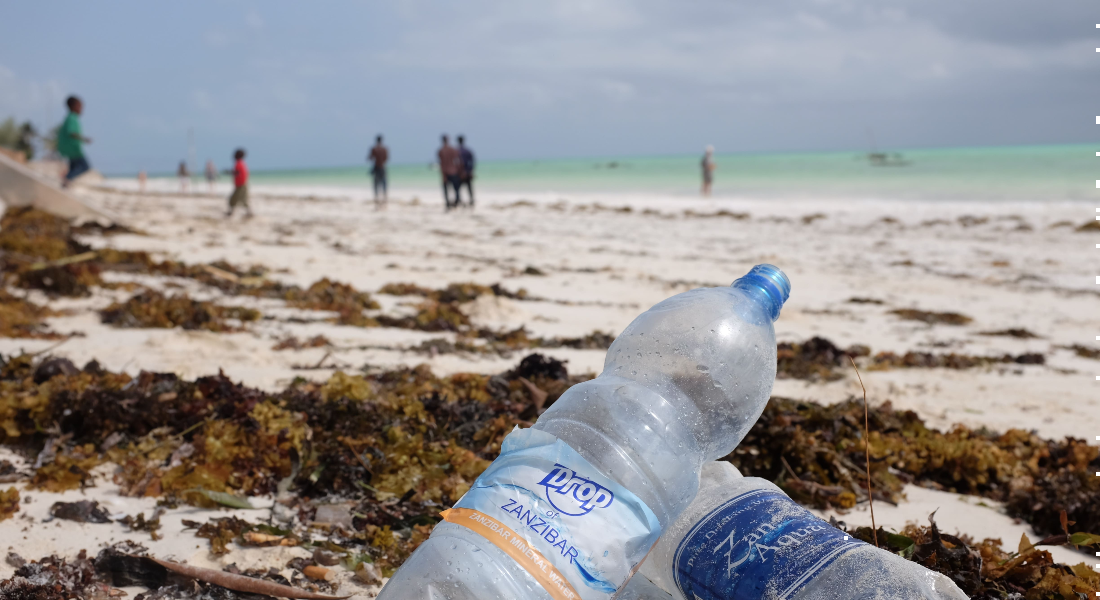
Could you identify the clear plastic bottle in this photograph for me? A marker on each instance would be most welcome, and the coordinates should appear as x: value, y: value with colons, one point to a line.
x: 681, y: 386
x: 742, y: 538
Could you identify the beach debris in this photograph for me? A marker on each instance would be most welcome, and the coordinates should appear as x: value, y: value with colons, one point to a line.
x: 723, y: 213
x: 930, y: 317
x: 341, y: 298
x: 928, y: 360
x: 8, y: 472
x: 140, y: 523
x: 55, y: 578
x: 386, y: 450
x: 9, y: 503
x: 335, y: 515
x: 20, y: 318
x: 123, y: 569
x: 242, y: 583
x: 818, y: 359
x: 151, y: 308
x: 68, y: 469
x: 815, y: 359
x: 815, y: 452
x: 222, y: 498
x: 1015, y: 332
x: 860, y: 300
x: 533, y: 270
x: 1087, y: 226
x: 83, y: 511
x: 1084, y: 351
x: 985, y: 570
x: 293, y: 343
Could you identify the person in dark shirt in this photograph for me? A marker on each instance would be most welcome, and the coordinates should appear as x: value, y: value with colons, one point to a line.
x: 378, y: 157
x: 466, y: 177
x: 449, y: 167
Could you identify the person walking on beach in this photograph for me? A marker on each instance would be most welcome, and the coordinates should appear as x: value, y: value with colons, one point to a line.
x: 71, y: 140
x: 211, y: 175
x: 185, y: 177
x: 466, y: 177
x: 378, y: 157
x: 449, y: 168
x: 141, y: 180
x: 240, y: 185
x: 708, y: 170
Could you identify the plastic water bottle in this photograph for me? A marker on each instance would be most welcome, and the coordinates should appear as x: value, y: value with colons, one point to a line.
x: 572, y: 505
x: 742, y: 538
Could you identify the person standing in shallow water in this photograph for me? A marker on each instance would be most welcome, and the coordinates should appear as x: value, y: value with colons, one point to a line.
x: 449, y: 167
x: 240, y: 185
x: 211, y: 175
x: 466, y: 177
x: 708, y: 170
x: 70, y: 141
x: 378, y: 157
x: 185, y: 177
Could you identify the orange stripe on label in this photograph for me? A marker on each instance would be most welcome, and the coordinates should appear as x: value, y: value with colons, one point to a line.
x: 515, y: 546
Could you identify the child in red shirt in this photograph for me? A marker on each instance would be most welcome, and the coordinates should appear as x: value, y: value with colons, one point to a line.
x: 240, y: 185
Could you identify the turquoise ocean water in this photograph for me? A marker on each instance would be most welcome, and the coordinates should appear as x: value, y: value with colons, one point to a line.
x: 1048, y: 173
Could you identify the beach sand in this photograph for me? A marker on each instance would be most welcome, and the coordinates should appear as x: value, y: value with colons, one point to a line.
x: 604, y: 259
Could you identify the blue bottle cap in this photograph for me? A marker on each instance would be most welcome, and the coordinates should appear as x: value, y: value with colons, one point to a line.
x: 770, y: 280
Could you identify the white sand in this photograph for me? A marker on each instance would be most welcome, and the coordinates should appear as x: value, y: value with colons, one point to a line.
x: 1003, y: 264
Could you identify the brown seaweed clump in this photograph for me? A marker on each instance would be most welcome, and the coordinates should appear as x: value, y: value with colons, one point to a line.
x: 816, y: 454
x: 21, y: 318
x: 818, y: 359
x: 814, y: 359
x: 455, y: 292
x: 928, y: 360
x: 341, y: 298
x: 932, y: 318
x: 9, y: 503
x: 440, y: 310
x: 985, y: 570
x: 405, y: 434
x: 151, y: 308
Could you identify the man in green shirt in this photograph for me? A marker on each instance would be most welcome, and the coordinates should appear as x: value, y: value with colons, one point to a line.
x: 70, y: 141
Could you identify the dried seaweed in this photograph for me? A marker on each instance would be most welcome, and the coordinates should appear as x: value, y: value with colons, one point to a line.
x: 153, y: 309
x: 54, y: 578
x: 83, y: 511
x: 9, y: 503
x: 140, y: 523
x: 814, y: 359
x: 818, y: 359
x: 400, y: 444
x: 341, y: 298
x: 1084, y: 351
x: 932, y: 318
x: 814, y: 452
x: 293, y: 343
x: 985, y: 570
x: 928, y: 360
x: 1015, y: 332
x: 20, y: 318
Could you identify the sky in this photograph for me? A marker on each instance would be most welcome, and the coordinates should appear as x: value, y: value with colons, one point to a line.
x: 304, y: 85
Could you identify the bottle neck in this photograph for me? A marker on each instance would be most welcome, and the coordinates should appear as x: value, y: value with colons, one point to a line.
x: 768, y: 286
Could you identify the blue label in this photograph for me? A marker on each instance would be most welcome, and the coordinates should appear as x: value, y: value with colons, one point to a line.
x: 760, y: 544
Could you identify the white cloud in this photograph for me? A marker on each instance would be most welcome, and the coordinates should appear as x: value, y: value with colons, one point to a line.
x: 201, y: 99
x: 254, y: 20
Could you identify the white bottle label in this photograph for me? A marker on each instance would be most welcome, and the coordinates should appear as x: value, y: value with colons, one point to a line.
x: 580, y: 534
